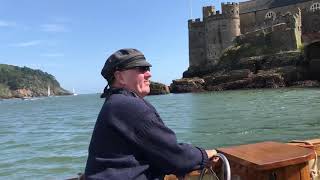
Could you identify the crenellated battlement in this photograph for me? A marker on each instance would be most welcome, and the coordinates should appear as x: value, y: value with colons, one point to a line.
x: 195, y: 23
x: 194, y: 20
x: 230, y: 9
x: 230, y: 4
x: 208, y: 11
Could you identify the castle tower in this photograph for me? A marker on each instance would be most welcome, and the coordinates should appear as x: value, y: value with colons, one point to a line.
x: 208, y: 11
x: 220, y: 31
x: 232, y: 21
x: 230, y: 9
x: 197, y: 55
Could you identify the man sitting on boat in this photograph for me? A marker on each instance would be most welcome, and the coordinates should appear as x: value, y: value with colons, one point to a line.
x: 130, y: 140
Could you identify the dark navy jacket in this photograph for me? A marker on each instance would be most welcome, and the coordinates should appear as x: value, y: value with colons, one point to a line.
x: 130, y: 141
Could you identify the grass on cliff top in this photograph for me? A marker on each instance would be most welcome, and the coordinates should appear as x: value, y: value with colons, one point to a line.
x: 233, y: 54
x: 260, y: 44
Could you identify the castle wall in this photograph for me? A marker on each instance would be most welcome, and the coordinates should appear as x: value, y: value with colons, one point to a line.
x: 277, y: 38
x: 213, y: 40
x: 253, y: 20
x: 248, y: 22
x: 197, y: 54
x: 311, y: 22
x: 285, y: 39
x: 247, y: 6
x: 281, y: 34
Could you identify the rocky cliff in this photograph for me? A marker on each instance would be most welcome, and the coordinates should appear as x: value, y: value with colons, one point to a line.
x: 235, y: 71
x: 21, y: 82
x: 158, y: 89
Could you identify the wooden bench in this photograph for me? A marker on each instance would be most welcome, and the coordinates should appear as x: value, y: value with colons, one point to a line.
x: 269, y: 160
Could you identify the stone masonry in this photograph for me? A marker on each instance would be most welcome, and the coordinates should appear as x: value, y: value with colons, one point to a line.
x: 210, y: 36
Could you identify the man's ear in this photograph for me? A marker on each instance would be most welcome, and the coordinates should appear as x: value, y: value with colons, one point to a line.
x: 118, y: 76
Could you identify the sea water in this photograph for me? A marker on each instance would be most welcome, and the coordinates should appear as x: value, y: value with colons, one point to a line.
x: 48, y: 138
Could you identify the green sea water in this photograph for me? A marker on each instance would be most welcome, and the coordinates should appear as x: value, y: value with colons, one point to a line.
x: 47, y: 138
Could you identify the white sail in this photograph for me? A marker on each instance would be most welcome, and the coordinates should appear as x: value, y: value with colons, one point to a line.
x: 74, y: 92
x: 48, y: 90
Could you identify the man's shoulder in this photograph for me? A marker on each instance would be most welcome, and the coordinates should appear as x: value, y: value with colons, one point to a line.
x: 121, y: 100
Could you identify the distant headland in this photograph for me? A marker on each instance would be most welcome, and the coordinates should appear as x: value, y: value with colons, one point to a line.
x: 24, y: 82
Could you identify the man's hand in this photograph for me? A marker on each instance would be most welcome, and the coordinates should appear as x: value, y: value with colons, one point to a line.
x: 211, y: 153
x: 213, y: 158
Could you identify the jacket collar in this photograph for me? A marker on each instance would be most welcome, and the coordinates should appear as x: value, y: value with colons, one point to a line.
x: 108, y: 92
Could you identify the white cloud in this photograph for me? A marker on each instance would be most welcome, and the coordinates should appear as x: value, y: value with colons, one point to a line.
x: 53, y: 28
x: 53, y: 55
x: 27, y: 44
x: 7, y: 24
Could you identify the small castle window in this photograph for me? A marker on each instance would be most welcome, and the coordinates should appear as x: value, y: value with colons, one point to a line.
x: 315, y: 6
x: 270, y: 15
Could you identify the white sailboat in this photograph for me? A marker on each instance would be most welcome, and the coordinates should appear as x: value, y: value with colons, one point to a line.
x: 49, y: 91
x: 74, y: 92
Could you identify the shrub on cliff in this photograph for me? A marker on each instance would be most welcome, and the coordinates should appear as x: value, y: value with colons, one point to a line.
x: 4, y: 91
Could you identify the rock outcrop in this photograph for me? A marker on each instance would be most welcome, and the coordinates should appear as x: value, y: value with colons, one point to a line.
x: 283, y: 69
x: 186, y: 85
x: 158, y: 89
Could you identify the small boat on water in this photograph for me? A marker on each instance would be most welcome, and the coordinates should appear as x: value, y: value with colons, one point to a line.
x: 295, y: 160
x: 74, y: 92
x: 48, y: 91
x: 26, y: 98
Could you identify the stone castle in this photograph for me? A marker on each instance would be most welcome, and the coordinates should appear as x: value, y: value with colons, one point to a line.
x: 285, y: 22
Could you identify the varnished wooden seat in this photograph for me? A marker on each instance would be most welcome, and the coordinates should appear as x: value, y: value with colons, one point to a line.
x: 269, y: 160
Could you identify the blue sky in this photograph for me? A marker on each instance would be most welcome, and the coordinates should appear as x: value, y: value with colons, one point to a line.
x: 71, y: 39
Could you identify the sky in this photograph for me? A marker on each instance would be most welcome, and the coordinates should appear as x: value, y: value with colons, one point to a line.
x: 71, y: 39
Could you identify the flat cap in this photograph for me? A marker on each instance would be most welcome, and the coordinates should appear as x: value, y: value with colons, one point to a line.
x: 123, y: 59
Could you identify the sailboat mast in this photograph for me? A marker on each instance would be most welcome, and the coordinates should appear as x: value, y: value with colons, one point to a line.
x: 190, y: 7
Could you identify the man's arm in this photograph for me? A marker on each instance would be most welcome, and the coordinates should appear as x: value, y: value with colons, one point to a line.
x: 159, y: 145
x: 142, y: 127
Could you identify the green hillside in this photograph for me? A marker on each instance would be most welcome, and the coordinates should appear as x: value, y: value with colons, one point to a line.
x: 17, y: 82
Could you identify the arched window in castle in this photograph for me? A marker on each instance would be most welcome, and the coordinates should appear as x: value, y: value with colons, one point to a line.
x: 270, y: 15
x: 315, y: 6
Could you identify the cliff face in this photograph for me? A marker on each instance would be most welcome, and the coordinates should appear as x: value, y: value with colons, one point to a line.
x: 18, y: 82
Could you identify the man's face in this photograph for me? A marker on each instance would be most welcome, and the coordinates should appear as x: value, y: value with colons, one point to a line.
x: 136, y: 79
